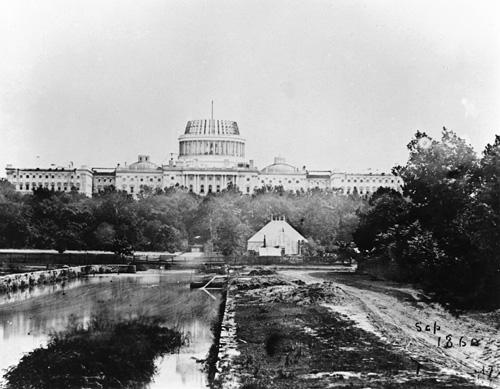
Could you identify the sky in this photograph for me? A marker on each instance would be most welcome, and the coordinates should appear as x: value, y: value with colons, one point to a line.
x: 333, y: 85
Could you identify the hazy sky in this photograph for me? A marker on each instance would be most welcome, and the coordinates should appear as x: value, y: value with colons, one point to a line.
x: 326, y: 84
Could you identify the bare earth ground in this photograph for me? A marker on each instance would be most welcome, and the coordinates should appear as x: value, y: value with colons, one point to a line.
x: 391, y: 313
x: 310, y: 329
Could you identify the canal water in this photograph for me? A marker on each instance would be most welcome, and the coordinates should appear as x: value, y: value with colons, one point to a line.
x: 27, y: 318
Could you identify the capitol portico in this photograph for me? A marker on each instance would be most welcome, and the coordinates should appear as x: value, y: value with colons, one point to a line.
x: 211, y: 158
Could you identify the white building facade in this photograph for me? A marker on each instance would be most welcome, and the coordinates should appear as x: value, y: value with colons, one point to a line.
x: 211, y: 158
x: 60, y: 179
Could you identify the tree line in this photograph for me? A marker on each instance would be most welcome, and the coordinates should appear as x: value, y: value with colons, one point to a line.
x: 443, y: 231
x: 171, y: 219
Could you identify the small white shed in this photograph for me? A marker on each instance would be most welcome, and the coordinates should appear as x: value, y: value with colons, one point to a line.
x: 277, y: 234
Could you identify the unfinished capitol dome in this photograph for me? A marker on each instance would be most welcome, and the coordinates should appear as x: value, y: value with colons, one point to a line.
x: 213, y: 141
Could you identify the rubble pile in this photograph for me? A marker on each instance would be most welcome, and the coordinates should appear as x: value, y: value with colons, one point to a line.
x: 325, y: 292
x: 257, y: 282
x: 262, y: 272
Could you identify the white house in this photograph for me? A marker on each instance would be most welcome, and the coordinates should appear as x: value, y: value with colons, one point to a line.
x: 275, y: 238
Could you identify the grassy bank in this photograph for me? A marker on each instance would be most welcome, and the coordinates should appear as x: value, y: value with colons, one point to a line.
x: 110, y: 354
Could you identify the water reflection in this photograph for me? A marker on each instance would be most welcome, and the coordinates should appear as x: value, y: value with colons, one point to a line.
x: 28, y: 317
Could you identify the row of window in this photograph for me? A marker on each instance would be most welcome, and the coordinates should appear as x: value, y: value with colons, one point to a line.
x: 190, y: 177
x: 209, y: 178
x: 151, y: 179
x: 271, y: 180
x: 46, y: 176
x: 360, y: 190
x: 124, y: 187
x: 373, y: 180
x: 210, y: 189
x: 202, y: 188
x: 34, y: 185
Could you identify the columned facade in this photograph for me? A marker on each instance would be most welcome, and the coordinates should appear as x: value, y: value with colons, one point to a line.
x: 204, y: 181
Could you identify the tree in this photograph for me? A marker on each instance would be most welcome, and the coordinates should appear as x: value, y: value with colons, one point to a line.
x: 438, y: 182
x: 122, y: 247
x: 482, y: 217
x: 481, y: 223
x: 312, y: 249
x: 230, y: 236
x: 444, y: 233
x: 13, y: 218
x: 387, y: 208
x: 104, y: 236
x: 116, y: 212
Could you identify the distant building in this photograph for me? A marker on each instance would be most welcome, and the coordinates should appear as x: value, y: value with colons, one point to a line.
x: 143, y: 173
x: 276, y: 238
x: 197, y: 248
x: 211, y: 158
x: 283, y: 174
x: 102, y: 178
x: 60, y: 179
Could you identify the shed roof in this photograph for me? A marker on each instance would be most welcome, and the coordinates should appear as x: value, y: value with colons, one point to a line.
x: 274, y: 228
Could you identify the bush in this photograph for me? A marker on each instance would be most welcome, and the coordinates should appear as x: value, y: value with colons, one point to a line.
x: 111, y: 354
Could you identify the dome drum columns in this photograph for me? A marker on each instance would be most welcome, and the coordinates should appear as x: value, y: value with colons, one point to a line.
x: 233, y: 148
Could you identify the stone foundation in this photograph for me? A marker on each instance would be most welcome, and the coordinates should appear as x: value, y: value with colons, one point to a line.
x: 19, y: 281
x: 226, y: 376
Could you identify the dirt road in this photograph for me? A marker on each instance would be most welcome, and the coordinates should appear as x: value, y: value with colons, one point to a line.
x: 428, y: 333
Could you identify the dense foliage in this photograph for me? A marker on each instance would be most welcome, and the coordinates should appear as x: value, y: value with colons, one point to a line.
x: 106, y: 353
x: 444, y: 230
x: 170, y: 220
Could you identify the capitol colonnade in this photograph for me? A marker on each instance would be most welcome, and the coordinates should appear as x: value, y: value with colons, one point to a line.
x: 203, y: 182
x: 211, y: 147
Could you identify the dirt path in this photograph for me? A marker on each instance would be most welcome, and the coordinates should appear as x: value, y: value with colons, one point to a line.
x: 392, y: 313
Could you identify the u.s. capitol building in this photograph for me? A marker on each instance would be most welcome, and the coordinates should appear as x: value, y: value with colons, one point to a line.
x: 211, y: 157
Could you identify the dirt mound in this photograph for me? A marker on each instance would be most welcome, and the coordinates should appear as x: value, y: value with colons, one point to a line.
x: 258, y: 282
x: 262, y: 272
x: 318, y: 293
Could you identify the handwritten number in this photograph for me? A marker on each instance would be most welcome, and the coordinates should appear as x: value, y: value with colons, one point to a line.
x: 462, y: 343
x: 449, y: 343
